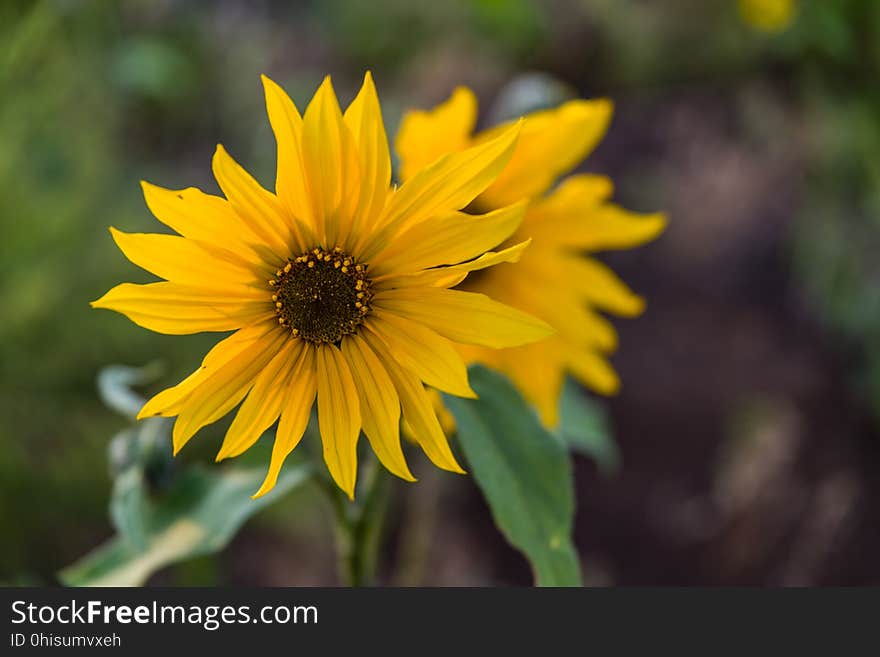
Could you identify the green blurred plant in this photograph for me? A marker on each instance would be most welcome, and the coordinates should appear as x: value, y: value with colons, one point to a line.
x: 837, y: 58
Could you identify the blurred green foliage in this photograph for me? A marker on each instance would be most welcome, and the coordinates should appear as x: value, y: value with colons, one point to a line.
x: 390, y: 33
x: 81, y: 102
x: 56, y: 158
x: 837, y: 241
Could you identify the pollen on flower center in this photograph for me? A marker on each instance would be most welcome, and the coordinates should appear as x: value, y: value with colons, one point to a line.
x: 322, y: 295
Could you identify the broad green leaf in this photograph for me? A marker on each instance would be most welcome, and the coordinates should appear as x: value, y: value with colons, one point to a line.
x: 198, y: 514
x: 584, y: 426
x: 524, y: 472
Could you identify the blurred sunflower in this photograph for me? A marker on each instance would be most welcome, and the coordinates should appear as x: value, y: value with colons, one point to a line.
x: 768, y: 15
x: 554, y: 280
x: 336, y: 287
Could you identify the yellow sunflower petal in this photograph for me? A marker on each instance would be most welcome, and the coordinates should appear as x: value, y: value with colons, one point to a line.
x: 177, y: 309
x: 596, y: 283
x: 564, y: 310
x: 465, y: 317
x: 593, y: 371
x: 290, y: 181
x: 575, y: 194
x: 424, y: 136
x: 582, y: 326
x: 183, y: 260
x: 576, y: 215
x: 418, y: 411
x: 537, y: 372
x: 427, y: 355
x: 451, y: 276
x: 447, y: 185
x: 262, y: 406
x: 379, y: 405
x: 339, y: 416
x: 492, y: 258
x: 551, y: 143
x: 440, y: 277
x: 448, y: 240
x: 259, y: 207
x: 364, y: 119
x: 331, y: 165
x: 612, y: 227
x: 200, y: 216
x: 300, y: 390
x: 169, y: 402
x: 220, y: 392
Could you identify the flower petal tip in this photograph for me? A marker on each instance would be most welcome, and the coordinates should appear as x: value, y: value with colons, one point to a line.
x: 639, y: 304
x: 176, y: 445
x: 470, y: 394
x: 267, y: 486
x: 116, y: 234
x: 661, y: 221
x: 542, y: 327
x: 99, y: 302
x: 149, y: 188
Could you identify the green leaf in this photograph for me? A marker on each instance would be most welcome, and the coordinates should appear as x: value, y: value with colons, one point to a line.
x: 198, y: 514
x: 584, y: 426
x: 129, y: 507
x: 524, y: 472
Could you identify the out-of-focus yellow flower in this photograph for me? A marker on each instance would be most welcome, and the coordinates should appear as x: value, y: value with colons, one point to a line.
x: 554, y: 279
x: 768, y: 15
x: 336, y: 285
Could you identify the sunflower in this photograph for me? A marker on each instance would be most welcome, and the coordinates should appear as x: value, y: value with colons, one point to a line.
x: 337, y: 287
x: 554, y: 280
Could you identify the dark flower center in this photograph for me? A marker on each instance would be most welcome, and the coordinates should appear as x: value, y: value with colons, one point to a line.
x: 322, y: 295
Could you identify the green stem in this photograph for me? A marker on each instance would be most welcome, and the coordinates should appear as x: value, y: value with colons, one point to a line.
x: 358, y: 525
